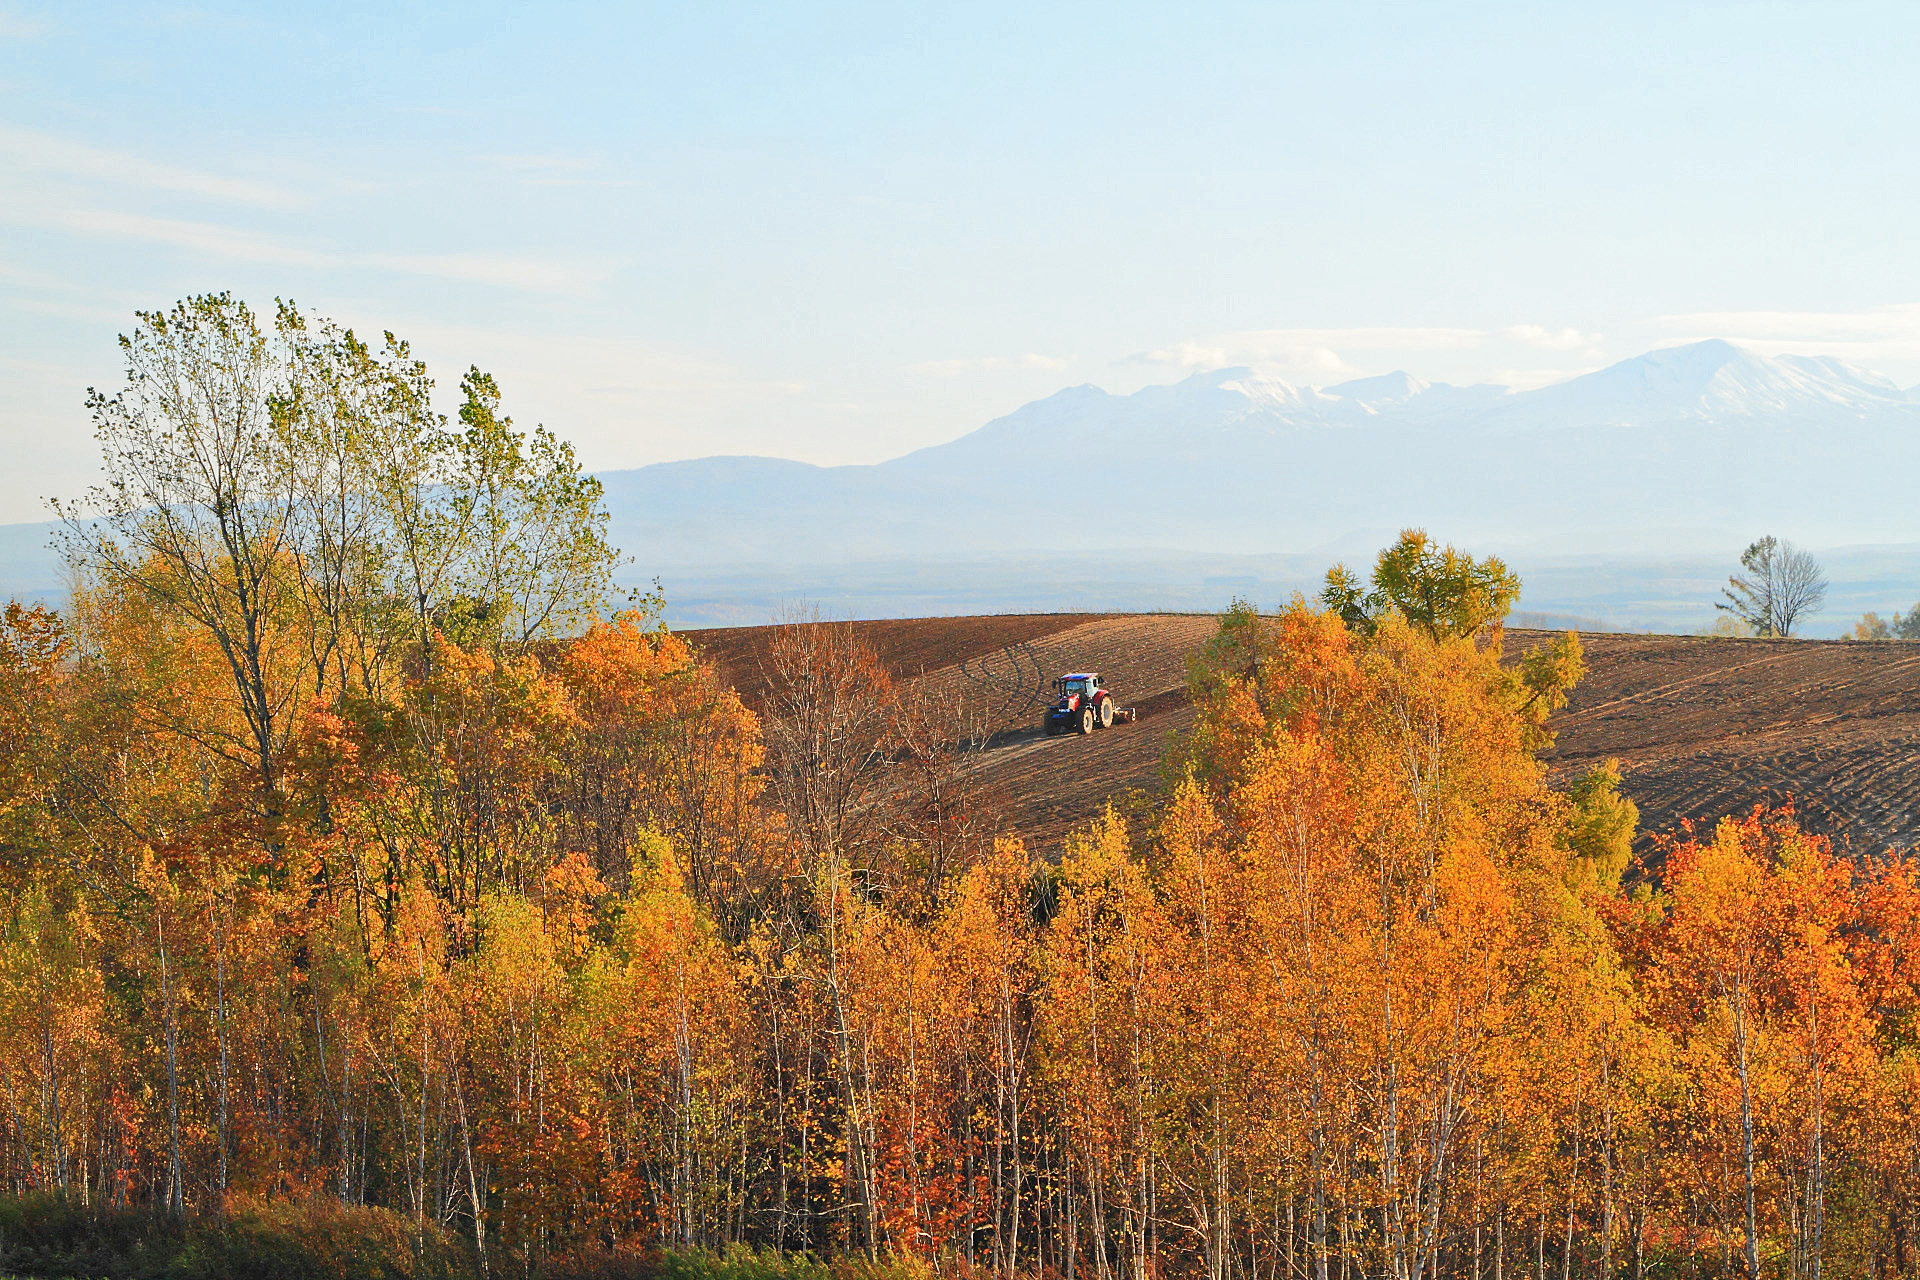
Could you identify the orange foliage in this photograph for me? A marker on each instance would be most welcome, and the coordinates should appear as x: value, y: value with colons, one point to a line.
x: 561, y: 947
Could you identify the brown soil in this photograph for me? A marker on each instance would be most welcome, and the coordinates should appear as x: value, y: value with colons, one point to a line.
x: 909, y: 646
x: 1702, y: 727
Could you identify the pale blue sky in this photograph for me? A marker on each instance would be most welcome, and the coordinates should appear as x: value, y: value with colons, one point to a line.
x: 836, y: 232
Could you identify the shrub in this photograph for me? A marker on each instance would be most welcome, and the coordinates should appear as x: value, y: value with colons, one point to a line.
x: 318, y: 1239
x: 42, y: 1234
x: 736, y: 1262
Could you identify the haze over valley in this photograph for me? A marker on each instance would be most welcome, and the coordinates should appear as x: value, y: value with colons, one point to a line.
x: 1673, y: 453
x: 1622, y: 494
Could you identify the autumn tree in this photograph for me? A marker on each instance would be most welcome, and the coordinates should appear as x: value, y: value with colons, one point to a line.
x: 1895, y: 626
x: 664, y: 747
x: 1602, y: 826
x: 828, y: 727
x: 1871, y: 627
x: 1106, y: 1006
x: 1751, y: 970
x: 1440, y: 590
x: 194, y: 514
x: 827, y: 748
x: 284, y: 491
x: 349, y: 859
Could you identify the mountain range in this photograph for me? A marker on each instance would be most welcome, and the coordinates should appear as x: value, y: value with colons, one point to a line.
x: 1232, y: 482
x: 1686, y: 449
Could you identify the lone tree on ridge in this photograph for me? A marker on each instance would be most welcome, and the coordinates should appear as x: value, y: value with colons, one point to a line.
x: 1781, y: 584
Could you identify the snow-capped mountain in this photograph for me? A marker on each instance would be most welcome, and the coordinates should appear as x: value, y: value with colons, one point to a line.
x: 1684, y: 449
x: 1378, y: 392
x: 1714, y: 380
x: 1686, y: 452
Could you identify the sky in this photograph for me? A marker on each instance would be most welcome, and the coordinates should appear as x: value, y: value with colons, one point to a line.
x: 838, y: 232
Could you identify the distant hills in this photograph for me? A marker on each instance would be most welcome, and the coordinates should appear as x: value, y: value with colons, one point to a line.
x: 1675, y: 457
x: 1689, y: 449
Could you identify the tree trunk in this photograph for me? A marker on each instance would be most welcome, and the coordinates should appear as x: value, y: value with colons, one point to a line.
x: 1752, y: 1242
x: 473, y: 1178
x: 220, y: 1029
x: 176, y: 1171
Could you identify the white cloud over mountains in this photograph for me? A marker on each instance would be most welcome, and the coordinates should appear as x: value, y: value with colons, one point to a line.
x: 1310, y: 354
x: 1533, y: 335
x: 1322, y: 355
x: 990, y: 364
x: 1889, y: 333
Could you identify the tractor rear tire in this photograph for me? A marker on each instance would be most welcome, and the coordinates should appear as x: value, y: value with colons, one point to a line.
x: 1086, y: 720
x: 1106, y: 713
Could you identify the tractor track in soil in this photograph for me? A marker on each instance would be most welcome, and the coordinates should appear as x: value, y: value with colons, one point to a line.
x: 1702, y: 727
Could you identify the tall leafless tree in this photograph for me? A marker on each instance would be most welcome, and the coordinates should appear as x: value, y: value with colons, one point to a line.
x: 829, y: 730
x: 1781, y: 585
x: 828, y: 723
x: 940, y: 818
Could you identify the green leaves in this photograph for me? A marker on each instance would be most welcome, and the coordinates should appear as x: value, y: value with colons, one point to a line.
x: 1601, y: 828
x: 293, y: 481
x: 536, y: 522
x: 1542, y: 679
x: 1440, y: 590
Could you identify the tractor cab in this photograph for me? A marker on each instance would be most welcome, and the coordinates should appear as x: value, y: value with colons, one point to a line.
x: 1080, y: 705
x: 1082, y: 685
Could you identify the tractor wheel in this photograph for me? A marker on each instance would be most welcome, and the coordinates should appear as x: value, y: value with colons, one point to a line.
x: 1086, y: 720
x: 1106, y: 713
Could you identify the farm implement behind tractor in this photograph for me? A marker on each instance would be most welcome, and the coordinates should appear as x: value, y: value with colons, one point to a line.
x: 1082, y: 704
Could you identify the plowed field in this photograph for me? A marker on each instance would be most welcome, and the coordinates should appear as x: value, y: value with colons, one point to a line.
x: 1702, y: 727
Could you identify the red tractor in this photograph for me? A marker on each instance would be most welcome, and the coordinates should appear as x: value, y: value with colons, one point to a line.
x: 1082, y: 705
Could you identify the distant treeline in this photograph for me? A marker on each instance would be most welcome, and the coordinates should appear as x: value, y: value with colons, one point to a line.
x: 1897, y: 626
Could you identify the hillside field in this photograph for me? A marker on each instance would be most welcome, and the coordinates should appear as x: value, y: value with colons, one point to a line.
x: 1702, y: 727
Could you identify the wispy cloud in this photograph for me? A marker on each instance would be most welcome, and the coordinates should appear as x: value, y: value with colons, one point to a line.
x: 624, y: 401
x: 89, y: 313
x: 109, y: 172
x: 1200, y: 354
x: 211, y: 239
x: 28, y: 278
x: 15, y: 25
x: 583, y: 363
x: 47, y: 153
x: 988, y: 364
x: 56, y: 294
x: 1890, y: 332
x: 1305, y: 352
x: 1533, y: 335
x: 536, y: 275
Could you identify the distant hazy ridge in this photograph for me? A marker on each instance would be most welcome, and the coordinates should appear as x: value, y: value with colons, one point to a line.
x: 1625, y: 490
